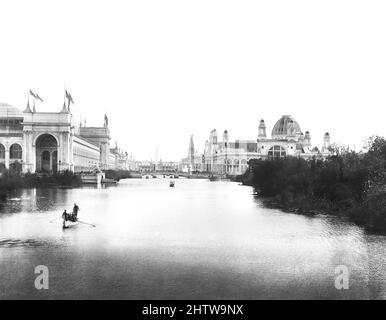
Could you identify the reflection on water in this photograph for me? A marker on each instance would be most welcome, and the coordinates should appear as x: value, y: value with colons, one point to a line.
x: 200, y: 239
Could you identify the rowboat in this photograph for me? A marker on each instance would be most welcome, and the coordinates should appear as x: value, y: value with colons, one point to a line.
x: 71, y: 220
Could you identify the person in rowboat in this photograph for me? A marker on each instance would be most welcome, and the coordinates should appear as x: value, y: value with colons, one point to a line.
x: 75, y: 211
x: 64, y: 216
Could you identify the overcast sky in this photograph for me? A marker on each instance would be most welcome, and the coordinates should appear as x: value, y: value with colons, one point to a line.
x: 163, y: 70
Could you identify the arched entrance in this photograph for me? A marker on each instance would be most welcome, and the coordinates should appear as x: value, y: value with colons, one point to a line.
x: 46, y: 154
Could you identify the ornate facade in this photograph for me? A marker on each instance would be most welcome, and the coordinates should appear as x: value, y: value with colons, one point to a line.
x: 287, y: 139
x: 49, y: 142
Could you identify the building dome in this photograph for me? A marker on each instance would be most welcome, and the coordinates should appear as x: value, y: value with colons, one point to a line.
x: 280, y: 129
x: 8, y: 111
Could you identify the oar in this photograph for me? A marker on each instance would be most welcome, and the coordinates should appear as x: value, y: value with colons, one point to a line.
x: 55, y: 219
x: 90, y: 224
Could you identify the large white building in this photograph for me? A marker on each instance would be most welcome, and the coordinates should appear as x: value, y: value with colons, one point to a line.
x: 287, y: 139
x: 49, y: 142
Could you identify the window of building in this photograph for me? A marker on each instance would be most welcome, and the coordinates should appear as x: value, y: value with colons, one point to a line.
x: 251, y: 147
x: 15, y: 152
x: 277, y: 152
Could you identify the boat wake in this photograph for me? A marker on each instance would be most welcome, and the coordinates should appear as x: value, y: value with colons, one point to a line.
x: 28, y: 243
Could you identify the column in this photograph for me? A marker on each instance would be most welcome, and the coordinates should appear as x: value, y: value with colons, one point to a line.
x: 6, y: 156
x: 71, y: 150
x: 28, y: 157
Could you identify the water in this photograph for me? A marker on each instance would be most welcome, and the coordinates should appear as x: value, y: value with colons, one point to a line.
x: 199, y: 240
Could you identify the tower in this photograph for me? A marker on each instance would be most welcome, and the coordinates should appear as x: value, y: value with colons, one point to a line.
x: 262, y: 130
x: 326, y: 142
x: 191, y: 152
x: 307, y: 139
x: 225, y: 138
x: 214, y: 136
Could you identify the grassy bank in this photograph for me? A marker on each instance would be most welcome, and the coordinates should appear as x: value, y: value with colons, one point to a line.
x: 347, y: 183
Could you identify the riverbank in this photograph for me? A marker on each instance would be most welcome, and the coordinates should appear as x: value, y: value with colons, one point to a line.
x: 370, y: 214
x: 10, y: 180
x: 121, y: 174
x: 346, y: 184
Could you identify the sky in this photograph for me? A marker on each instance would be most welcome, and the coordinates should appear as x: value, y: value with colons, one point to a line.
x: 163, y: 70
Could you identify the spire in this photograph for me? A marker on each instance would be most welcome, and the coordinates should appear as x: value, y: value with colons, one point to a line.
x: 262, y: 129
x: 326, y: 142
x: 225, y: 137
x: 307, y: 138
x: 28, y: 109
x: 64, y: 109
x: 191, y: 151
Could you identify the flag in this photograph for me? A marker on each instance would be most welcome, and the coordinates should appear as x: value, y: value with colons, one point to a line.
x: 69, y: 98
x: 31, y: 93
x: 37, y: 97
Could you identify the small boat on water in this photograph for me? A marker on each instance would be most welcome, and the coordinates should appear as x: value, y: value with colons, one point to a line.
x: 71, y: 220
x: 171, y: 184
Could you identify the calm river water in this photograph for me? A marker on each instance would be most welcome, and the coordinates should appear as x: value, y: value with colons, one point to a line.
x: 200, y: 240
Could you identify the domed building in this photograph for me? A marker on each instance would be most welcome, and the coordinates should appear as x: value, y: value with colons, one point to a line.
x: 284, y: 127
x: 287, y: 139
x: 49, y: 142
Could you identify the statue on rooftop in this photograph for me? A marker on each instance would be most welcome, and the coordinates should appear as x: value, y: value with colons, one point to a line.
x: 106, y: 124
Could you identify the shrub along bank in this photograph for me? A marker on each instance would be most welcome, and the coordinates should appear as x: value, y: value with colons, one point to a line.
x: 347, y: 183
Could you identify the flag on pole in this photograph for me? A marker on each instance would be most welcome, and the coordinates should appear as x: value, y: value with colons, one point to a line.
x: 37, y: 97
x: 32, y: 94
x: 69, y: 98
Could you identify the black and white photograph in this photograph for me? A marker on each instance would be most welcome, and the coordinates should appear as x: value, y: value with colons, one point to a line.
x: 192, y: 150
